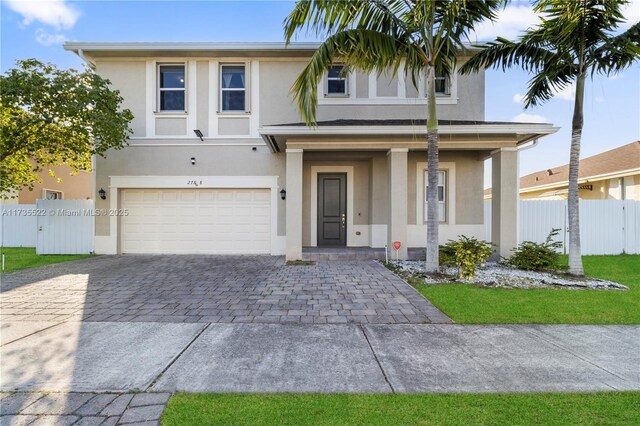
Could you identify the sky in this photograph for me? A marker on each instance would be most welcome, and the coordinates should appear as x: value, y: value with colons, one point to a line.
x: 37, y: 29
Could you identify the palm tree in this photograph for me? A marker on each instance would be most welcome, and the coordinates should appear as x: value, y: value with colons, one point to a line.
x: 574, y: 39
x: 423, y: 36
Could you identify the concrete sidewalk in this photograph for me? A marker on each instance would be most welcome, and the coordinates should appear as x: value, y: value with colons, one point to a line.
x: 121, y: 357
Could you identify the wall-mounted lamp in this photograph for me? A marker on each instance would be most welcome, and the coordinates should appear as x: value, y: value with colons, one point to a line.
x: 193, y: 161
x: 103, y: 194
x: 199, y: 134
x: 283, y: 194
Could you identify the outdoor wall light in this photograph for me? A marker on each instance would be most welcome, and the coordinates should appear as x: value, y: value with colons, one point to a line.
x: 193, y: 161
x: 199, y: 134
x: 103, y: 194
x: 283, y: 194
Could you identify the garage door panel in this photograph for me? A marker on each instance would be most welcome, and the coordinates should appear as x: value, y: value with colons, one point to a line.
x: 205, y: 221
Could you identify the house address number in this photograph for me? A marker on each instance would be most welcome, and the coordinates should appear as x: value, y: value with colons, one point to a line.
x: 194, y: 182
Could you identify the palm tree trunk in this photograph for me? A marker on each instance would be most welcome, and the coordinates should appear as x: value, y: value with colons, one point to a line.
x: 433, y: 163
x: 575, y: 255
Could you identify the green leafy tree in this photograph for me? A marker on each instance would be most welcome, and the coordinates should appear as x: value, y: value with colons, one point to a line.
x: 574, y: 39
x: 51, y: 117
x: 421, y: 36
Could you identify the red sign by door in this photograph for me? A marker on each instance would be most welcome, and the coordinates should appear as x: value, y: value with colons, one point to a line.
x: 397, y: 245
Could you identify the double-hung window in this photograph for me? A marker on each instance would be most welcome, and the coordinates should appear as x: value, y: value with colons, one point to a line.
x: 442, y: 84
x: 171, y: 88
x: 337, y: 83
x: 233, y: 88
x: 442, y: 195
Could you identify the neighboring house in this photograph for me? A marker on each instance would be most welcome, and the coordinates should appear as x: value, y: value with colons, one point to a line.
x: 611, y: 175
x: 63, y: 186
x: 259, y: 181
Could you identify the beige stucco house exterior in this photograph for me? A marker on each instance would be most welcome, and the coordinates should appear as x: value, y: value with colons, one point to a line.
x: 62, y: 184
x: 610, y: 175
x: 258, y: 181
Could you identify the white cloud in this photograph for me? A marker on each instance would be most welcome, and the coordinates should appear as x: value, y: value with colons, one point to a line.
x: 599, y: 99
x: 523, y: 117
x: 567, y: 94
x: 511, y: 21
x: 518, y: 98
x: 631, y: 12
x: 55, y: 13
x: 46, y: 39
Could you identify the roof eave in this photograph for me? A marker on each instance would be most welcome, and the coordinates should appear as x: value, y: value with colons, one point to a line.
x: 524, y: 132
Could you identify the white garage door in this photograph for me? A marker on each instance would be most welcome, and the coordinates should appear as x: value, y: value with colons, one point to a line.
x: 207, y: 221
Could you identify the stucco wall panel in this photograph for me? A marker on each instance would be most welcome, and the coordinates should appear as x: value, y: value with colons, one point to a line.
x: 166, y: 126
x: 129, y: 78
x: 233, y: 125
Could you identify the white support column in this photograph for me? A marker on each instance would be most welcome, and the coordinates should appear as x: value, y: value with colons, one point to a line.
x: 505, y: 184
x: 397, y: 228
x: 294, y: 204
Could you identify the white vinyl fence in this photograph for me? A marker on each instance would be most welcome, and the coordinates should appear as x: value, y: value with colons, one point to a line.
x: 65, y: 226
x: 18, y: 225
x: 606, y: 226
x: 51, y: 226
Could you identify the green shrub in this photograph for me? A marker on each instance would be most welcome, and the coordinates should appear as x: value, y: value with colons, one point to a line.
x: 469, y: 253
x: 532, y: 256
x: 447, y: 254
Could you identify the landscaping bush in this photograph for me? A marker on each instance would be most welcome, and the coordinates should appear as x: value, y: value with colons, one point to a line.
x: 532, y: 256
x: 447, y: 254
x: 469, y: 253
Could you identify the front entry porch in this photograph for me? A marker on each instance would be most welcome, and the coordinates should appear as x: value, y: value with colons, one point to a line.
x: 382, y: 166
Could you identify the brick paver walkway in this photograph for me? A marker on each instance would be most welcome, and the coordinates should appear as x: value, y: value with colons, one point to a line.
x: 81, y: 409
x: 213, y: 289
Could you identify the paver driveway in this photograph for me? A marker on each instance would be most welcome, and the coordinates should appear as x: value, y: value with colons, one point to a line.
x: 213, y: 289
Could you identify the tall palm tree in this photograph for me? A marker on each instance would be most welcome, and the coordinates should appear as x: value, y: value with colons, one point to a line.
x: 574, y: 39
x: 421, y: 37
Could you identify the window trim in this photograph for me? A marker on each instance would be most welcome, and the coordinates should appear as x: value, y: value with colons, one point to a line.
x: 246, y: 88
x: 159, y: 89
x: 346, y: 79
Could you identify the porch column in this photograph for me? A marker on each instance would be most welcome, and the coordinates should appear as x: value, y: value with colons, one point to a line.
x: 505, y: 184
x: 294, y: 204
x: 397, y: 227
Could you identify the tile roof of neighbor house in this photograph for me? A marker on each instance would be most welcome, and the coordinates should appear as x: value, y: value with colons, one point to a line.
x: 626, y: 157
x: 617, y: 160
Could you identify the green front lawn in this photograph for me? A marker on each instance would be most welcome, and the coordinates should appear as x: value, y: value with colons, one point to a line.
x: 620, y: 408
x: 16, y: 258
x: 471, y: 304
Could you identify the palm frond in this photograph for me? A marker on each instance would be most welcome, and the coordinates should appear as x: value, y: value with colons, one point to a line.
x: 617, y: 53
x: 504, y: 54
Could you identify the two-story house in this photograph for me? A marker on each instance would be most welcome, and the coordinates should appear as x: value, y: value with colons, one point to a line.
x: 221, y: 163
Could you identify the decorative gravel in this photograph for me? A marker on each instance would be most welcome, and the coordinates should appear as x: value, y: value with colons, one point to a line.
x: 502, y: 276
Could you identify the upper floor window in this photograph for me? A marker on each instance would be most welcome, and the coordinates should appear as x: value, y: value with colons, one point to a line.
x: 171, y: 88
x: 442, y: 197
x: 337, y: 84
x: 442, y: 84
x: 232, y: 87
